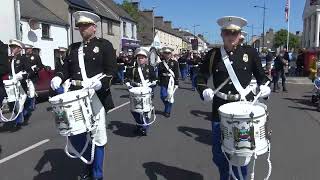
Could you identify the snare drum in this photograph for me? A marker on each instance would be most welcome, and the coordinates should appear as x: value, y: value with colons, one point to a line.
x: 243, y: 128
x: 140, y: 99
x: 12, y: 88
x: 73, y: 110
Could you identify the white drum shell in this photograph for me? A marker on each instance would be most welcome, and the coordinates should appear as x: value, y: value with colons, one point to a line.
x: 140, y: 99
x: 236, y: 116
x: 12, y: 89
x: 73, y: 112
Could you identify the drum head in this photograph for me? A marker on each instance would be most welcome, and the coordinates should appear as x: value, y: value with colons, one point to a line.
x: 241, y: 110
x: 68, y: 96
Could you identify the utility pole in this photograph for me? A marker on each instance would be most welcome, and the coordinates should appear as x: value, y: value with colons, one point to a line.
x: 264, y: 18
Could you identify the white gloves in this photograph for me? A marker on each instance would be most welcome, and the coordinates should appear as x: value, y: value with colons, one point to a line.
x: 33, y: 67
x: 176, y: 86
x: 128, y: 85
x: 19, y: 75
x: 208, y: 94
x: 55, y: 83
x: 265, y: 91
x: 92, y: 84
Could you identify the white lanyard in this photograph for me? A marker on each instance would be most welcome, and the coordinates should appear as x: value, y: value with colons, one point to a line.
x: 167, y: 67
x: 13, y: 72
x: 143, y: 81
x: 81, y: 63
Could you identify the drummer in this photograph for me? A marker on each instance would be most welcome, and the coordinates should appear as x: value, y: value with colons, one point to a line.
x: 99, y: 57
x: 245, y: 62
x: 22, y: 72
x: 168, y: 72
x: 134, y: 80
x: 4, y: 68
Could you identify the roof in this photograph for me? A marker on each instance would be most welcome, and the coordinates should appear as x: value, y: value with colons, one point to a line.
x: 35, y: 10
x: 96, y: 6
x: 116, y: 8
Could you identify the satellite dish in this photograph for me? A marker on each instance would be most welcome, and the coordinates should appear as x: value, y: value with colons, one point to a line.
x: 32, y: 36
x: 34, y: 24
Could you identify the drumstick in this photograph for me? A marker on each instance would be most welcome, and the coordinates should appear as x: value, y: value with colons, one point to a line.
x: 259, y: 94
x: 221, y: 85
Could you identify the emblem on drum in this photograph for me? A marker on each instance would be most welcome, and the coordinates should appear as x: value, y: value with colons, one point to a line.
x: 245, y: 58
x: 96, y: 49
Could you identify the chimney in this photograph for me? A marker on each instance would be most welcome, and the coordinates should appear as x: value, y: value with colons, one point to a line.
x: 136, y: 4
x: 168, y: 24
x: 148, y: 13
x: 176, y: 29
x: 159, y: 20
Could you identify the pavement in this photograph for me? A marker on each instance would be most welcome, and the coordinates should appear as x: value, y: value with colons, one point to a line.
x: 176, y: 148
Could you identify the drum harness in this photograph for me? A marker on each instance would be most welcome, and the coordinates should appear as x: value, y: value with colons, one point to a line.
x: 20, y: 100
x: 242, y: 93
x: 69, y: 146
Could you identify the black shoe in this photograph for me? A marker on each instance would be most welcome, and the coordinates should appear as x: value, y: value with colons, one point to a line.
x: 143, y: 132
x: 167, y: 115
x: 285, y: 90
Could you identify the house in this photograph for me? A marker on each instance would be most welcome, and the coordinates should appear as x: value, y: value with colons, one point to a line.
x: 44, y: 30
x: 128, y: 26
x: 311, y: 24
x: 9, y: 17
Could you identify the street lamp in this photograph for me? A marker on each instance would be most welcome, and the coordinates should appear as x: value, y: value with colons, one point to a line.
x: 153, y: 7
x: 264, y: 17
x: 194, y: 29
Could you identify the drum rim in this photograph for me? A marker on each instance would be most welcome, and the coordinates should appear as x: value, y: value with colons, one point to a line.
x: 242, y: 116
x: 55, y: 100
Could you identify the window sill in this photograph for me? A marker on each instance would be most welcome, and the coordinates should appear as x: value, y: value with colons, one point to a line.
x: 111, y: 34
x: 47, y: 38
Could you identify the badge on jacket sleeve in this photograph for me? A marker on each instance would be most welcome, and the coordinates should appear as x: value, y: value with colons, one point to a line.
x: 96, y: 49
x: 32, y: 58
x: 245, y: 58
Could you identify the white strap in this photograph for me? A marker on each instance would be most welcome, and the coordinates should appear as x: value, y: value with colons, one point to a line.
x: 12, y: 68
x: 81, y: 63
x: 143, y: 81
x: 167, y: 67
x: 243, y: 92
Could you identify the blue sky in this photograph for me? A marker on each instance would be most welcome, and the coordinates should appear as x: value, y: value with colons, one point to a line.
x: 186, y: 13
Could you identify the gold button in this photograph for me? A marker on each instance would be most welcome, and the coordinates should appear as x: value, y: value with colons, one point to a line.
x: 231, y: 53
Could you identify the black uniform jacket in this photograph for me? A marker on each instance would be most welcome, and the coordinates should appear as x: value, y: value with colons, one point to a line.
x: 163, y: 72
x: 245, y: 61
x: 99, y: 57
x: 147, y: 71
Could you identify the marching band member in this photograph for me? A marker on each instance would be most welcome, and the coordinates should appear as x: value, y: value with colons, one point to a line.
x: 4, y: 68
x: 134, y: 80
x: 60, y: 57
x: 183, y: 66
x: 97, y: 56
x: 194, y: 63
x: 168, y: 73
x: 21, y: 70
x: 36, y: 65
x: 245, y: 62
x: 121, y: 67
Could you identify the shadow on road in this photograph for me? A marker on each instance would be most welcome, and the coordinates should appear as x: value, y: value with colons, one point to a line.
x: 122, y: 129
x: 201, y: 135
x: 153, y: 169
x: 304, y: 108
x: 301, y: 101
x: 124, y: 96
x: 122, y: 89
x: 198, y: 113
x: 62, y: 167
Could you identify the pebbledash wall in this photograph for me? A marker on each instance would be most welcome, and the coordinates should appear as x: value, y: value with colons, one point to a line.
x: 58, y: 37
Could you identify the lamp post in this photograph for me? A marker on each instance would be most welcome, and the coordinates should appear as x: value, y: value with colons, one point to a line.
x: 264, y: 18
x: 153, y: 8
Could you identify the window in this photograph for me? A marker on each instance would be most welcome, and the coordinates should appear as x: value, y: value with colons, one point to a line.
x: 45, y: 31
x: 110, y: 32
x: 132, y: 30
x: 125, y: 29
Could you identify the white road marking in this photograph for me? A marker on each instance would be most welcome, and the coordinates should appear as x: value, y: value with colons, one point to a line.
x: 23, y: 151
x: 45, y: 141
x: 118, y: 107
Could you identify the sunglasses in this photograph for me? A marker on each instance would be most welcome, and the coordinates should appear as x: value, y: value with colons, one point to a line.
x: 230, y: 33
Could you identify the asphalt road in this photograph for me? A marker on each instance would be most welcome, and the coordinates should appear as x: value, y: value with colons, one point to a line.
x: 178, y: 148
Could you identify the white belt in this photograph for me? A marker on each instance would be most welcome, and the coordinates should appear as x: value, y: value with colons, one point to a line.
x: 183, y: 63
x: 166, y: 74
x: 120, y: 63
x: 194, y: 65
x: 76, y: 82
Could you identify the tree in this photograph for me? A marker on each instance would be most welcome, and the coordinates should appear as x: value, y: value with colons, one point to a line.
x: 133, y: 12
x: 280, y: 39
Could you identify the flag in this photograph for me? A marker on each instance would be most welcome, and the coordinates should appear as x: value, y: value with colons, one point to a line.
x: 286, y: 10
